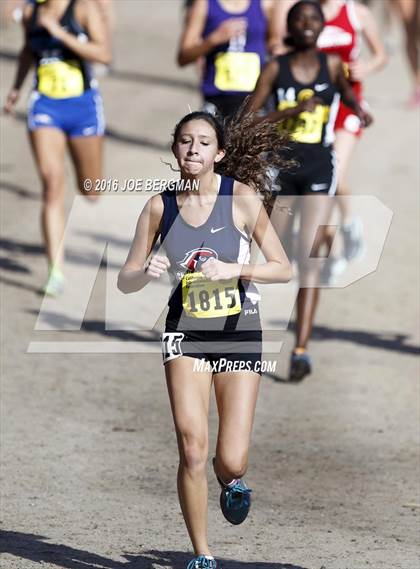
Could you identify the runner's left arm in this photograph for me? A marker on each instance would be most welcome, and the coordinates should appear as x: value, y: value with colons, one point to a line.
x: 277, y: 267
x: 25, y: 62
x: 97, y: 48
x: 250, y: 214
x: 348, y: 97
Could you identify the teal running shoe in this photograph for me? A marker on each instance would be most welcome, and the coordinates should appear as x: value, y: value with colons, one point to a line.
x: 300, y: 366
x: 203, y: 562
x: 235, y: 500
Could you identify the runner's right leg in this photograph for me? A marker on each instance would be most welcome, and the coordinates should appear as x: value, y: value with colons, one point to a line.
x: 48, y: 146
x: 189, y: 393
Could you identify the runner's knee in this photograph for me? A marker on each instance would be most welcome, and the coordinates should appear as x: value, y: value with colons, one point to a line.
x: 53, y: 183
x: 233, y: 465
x: 193, y: 450
x: 89, y: 190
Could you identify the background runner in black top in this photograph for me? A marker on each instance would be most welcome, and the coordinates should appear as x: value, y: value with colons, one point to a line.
x: 62, y: 38
x: 305, y: 84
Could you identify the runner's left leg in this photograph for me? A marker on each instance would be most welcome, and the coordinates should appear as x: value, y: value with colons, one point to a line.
x: 344, y: 145
x: 315, y: 213
x: 86, y: 152
x: 236, y: 397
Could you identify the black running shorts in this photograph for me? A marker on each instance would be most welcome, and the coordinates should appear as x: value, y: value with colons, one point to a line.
x: 315, y: 171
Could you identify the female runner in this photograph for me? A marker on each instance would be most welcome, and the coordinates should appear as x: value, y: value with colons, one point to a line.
x: 62, y: 37
x: 306, y: 85
x: 232, y: 36
x: 346, y: 24
x: 213, y: 311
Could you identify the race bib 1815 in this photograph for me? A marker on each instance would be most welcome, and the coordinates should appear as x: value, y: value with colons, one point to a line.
x: 202, y: 298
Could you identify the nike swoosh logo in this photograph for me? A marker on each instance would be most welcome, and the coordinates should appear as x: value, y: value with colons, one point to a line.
x: 321, y: 87
x: 212, y: 230
x: 318, y: 187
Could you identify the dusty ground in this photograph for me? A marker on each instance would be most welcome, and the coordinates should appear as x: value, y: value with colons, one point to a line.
x: 88, y: 449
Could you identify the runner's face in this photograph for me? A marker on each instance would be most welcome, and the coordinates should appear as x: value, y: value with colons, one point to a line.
x: 306, y: 27
x: 196, y: 148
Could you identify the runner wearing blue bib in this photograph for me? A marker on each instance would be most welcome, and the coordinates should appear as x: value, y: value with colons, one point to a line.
x: 62, y: 38
x: 213, y: 308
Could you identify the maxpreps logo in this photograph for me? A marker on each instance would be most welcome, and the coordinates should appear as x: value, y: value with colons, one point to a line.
x: 195, y: 258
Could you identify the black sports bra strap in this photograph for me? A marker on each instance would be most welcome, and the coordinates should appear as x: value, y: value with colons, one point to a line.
x: 31, y: 23
x: 69, y: 10
x: 324, y: 72
x: 284, y: 66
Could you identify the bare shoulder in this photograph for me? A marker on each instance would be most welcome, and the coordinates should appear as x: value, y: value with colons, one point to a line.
x: 155, y: 207
x: 334, y: 61
x: 246, y: 196
x: 240, y: 189
x: 28, y: 10
x: 270, y: 70
x: 87, y: 10
x: 197, y: 12
x: 200, y: 7
x: 362, y: 11
x: 247, y: 205
x: 268, y: 7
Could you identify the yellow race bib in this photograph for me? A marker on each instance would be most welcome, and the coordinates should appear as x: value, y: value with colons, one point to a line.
x: 202, y: 298
x: 307, y: 127
x: 60, y: 79
x: 236, y: 71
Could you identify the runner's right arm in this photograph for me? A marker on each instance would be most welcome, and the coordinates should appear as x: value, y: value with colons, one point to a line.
x: 25, y: 62
x: 264, y: 88
x: 348, y: 97
x: 139, y: 268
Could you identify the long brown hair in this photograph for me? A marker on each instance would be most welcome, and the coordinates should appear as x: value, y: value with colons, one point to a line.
x: 252, y: 149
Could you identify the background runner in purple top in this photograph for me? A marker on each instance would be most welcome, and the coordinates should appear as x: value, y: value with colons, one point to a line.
x: 254, y: 42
